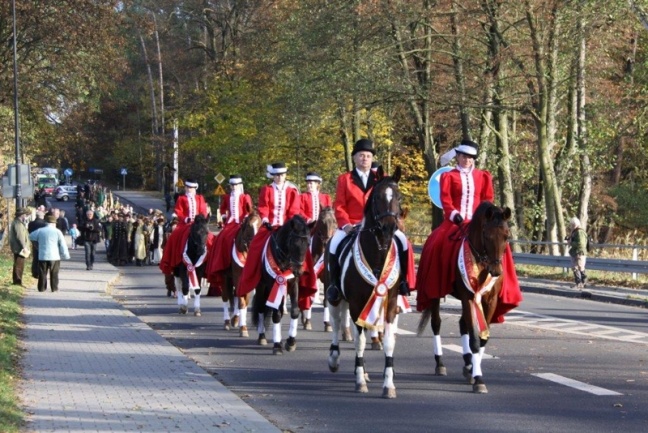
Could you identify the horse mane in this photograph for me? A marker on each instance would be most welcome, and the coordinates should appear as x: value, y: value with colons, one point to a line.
x: 197, y: 237
x: 284, y: 244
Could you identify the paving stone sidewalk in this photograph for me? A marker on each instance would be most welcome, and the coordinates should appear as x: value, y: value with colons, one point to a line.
x: 90, y: 365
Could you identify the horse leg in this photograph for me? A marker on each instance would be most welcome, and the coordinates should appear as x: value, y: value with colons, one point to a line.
x: 361, y: 375
x: 346, y: 331
x: 376, y: 344
x: 327, y: 318
x: 440, y: 369
x: 276, y: 330
x: 243, y: 330
x: 197, y: 311
x: 234, y: 308
x: 261, y: 330
x: 466, y: 351
x: 291, y: 342
x: 479, y: 387
x: 226, y: 315
x: 389, y: 341
x: 183, y: 298
x: 334, y: 350
x: 307, y: 315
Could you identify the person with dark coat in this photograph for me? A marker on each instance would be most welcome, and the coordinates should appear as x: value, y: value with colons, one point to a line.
x: 38, y: 223
x: 90, y: 229
x: 19, y: 243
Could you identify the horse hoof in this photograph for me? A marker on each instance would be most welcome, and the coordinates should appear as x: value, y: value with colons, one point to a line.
x: 389, y: 393
x: 291, y: 344
x: 227, y: 325
x: 243, y: 331
x: 376, y: 344
x: 361, y: 388
x: 307, y: 325
x: 197, y: 312
x: 328, y: 327
x: 467, y: 374
x: 441, y: 371
x: 346, y: 335
x: 235, y: 321
x: 333, y: 368
x: 262, y: 340
x: 183, y: 309
x: 277, y: 350
x: 479, y: 387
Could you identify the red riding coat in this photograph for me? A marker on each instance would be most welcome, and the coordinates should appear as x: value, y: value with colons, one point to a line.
x: 312, y: 204
x: 351, y: 197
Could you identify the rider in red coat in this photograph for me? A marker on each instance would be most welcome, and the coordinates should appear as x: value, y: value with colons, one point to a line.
x: 313, y: 201
x: 352, y: 192
x: 278, y: 202
x: 187, y: 206
x: 462, y: 190
x: 234, y: 207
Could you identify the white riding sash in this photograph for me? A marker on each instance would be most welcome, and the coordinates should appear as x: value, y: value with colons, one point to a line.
x: 194, y: 281
x: 470, y: 276
x: 280, y: 287
x: 372, y: 315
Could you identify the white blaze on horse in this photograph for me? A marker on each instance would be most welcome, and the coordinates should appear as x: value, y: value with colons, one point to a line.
x: 480, y: 254
x: 191, y: 271
x: 373, y: 261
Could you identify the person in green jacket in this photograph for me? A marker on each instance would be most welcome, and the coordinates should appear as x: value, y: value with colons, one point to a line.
x: 578, y: 251
x: 20, y: 244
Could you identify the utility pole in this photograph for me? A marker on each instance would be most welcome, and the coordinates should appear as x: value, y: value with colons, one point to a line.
x: 16, y: 122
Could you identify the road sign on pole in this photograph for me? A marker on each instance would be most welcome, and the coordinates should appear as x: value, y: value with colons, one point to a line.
x: 124, y: 172
x: 219, y: 178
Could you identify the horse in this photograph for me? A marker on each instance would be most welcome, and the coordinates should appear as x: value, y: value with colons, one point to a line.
x: 372, y: 267
x: 190, y: 272
x: 482, y: 244
x: 233, y: 306
x: 283, y: 259
x: 321, y: 232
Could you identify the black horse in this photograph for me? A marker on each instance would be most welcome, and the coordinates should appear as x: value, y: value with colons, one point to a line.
x: 282, y: 265
x: 372, y: 263
x: 190, y: 272
x: 483, y: 243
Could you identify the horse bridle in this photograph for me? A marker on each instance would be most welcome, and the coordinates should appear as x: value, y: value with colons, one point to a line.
x: 282, y: 256
x: 379, y: 216
x: 483, y: 257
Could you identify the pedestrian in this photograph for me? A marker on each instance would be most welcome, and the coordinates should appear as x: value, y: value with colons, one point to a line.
x: 462, y: 189
x: 139, y: 241
x: 352, y: 192
x: 74, y: 234
x: 577, y: 251
x: 19, y: 244
x: 37, y: 223
x: 90, y: 229
x: 313, y: 200
x: 62, y: 223
x: 51, y: 249
x: 169, y: 278
x: 108, y: 230
x: 158, y: 238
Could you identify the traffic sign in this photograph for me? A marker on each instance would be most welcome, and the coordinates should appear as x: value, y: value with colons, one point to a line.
x: 124, y: 172
x: 219, y: 190
x: 434, y: 186
x: 68, y: 172
x: 219, y: 178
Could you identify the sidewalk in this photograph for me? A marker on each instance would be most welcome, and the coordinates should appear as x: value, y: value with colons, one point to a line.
x: 90, y: 365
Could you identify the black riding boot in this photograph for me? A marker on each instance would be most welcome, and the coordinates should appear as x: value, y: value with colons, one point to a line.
x: 333, y: 295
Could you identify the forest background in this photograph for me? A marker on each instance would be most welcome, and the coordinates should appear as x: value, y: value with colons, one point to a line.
x: 554, y: 91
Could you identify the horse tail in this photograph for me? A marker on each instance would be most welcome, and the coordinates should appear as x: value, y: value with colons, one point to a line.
x: 426, y: 316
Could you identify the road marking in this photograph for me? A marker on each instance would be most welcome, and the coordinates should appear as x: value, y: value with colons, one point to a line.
x: 575, y: 384
x: 459, y: 349
x: 548, y: 323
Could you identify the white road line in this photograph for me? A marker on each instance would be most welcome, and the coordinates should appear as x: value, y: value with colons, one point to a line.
x: 459, y: 349
x: 575, y: 384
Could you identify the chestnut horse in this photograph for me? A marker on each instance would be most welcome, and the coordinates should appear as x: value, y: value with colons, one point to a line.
x: 283, y: 258
x: 236, y: 307
x: 481, y: 245
x: 321, y: 233
x: 371, y: 261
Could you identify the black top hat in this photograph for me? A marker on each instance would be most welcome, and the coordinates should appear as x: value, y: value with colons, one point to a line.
x: 312, y: 176
x: 277, y: 168
x: 467, y: 147
x: 363, y: 145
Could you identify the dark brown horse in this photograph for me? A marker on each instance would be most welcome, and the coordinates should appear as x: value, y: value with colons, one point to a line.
x: 322, y: 231
x: 371, y: 274
x: 282, y: 264
x: 483, y: 244
x: 233, y: 306
x: 190, y: 272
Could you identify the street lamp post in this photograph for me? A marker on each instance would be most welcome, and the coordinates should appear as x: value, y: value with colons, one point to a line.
x: 16, y: 122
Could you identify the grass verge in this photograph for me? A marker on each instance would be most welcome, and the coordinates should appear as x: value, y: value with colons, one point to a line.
x: 11, y: 416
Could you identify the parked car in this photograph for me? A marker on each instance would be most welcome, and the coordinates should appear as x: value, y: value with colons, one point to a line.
x: 65, y: 192
x: 48, y: 188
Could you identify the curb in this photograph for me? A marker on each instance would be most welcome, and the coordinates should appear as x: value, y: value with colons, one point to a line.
x: 640, y: 299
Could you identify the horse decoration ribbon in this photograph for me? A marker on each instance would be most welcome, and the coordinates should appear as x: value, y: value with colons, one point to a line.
x: 280, y: 286
x: 372, y: 316
x: 238, y: 257
x: 470, y: 275
x: 194, y: 281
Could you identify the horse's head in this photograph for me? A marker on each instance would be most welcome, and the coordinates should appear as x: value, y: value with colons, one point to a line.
x: 249, y: 227
x: 326, y: 224
x: 197, y: 237
x: 291, y: 243
x: 488, y: 235
x: 383, y: 208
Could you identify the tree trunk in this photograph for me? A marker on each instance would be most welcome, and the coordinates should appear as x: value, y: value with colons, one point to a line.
x: 586, y: 177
